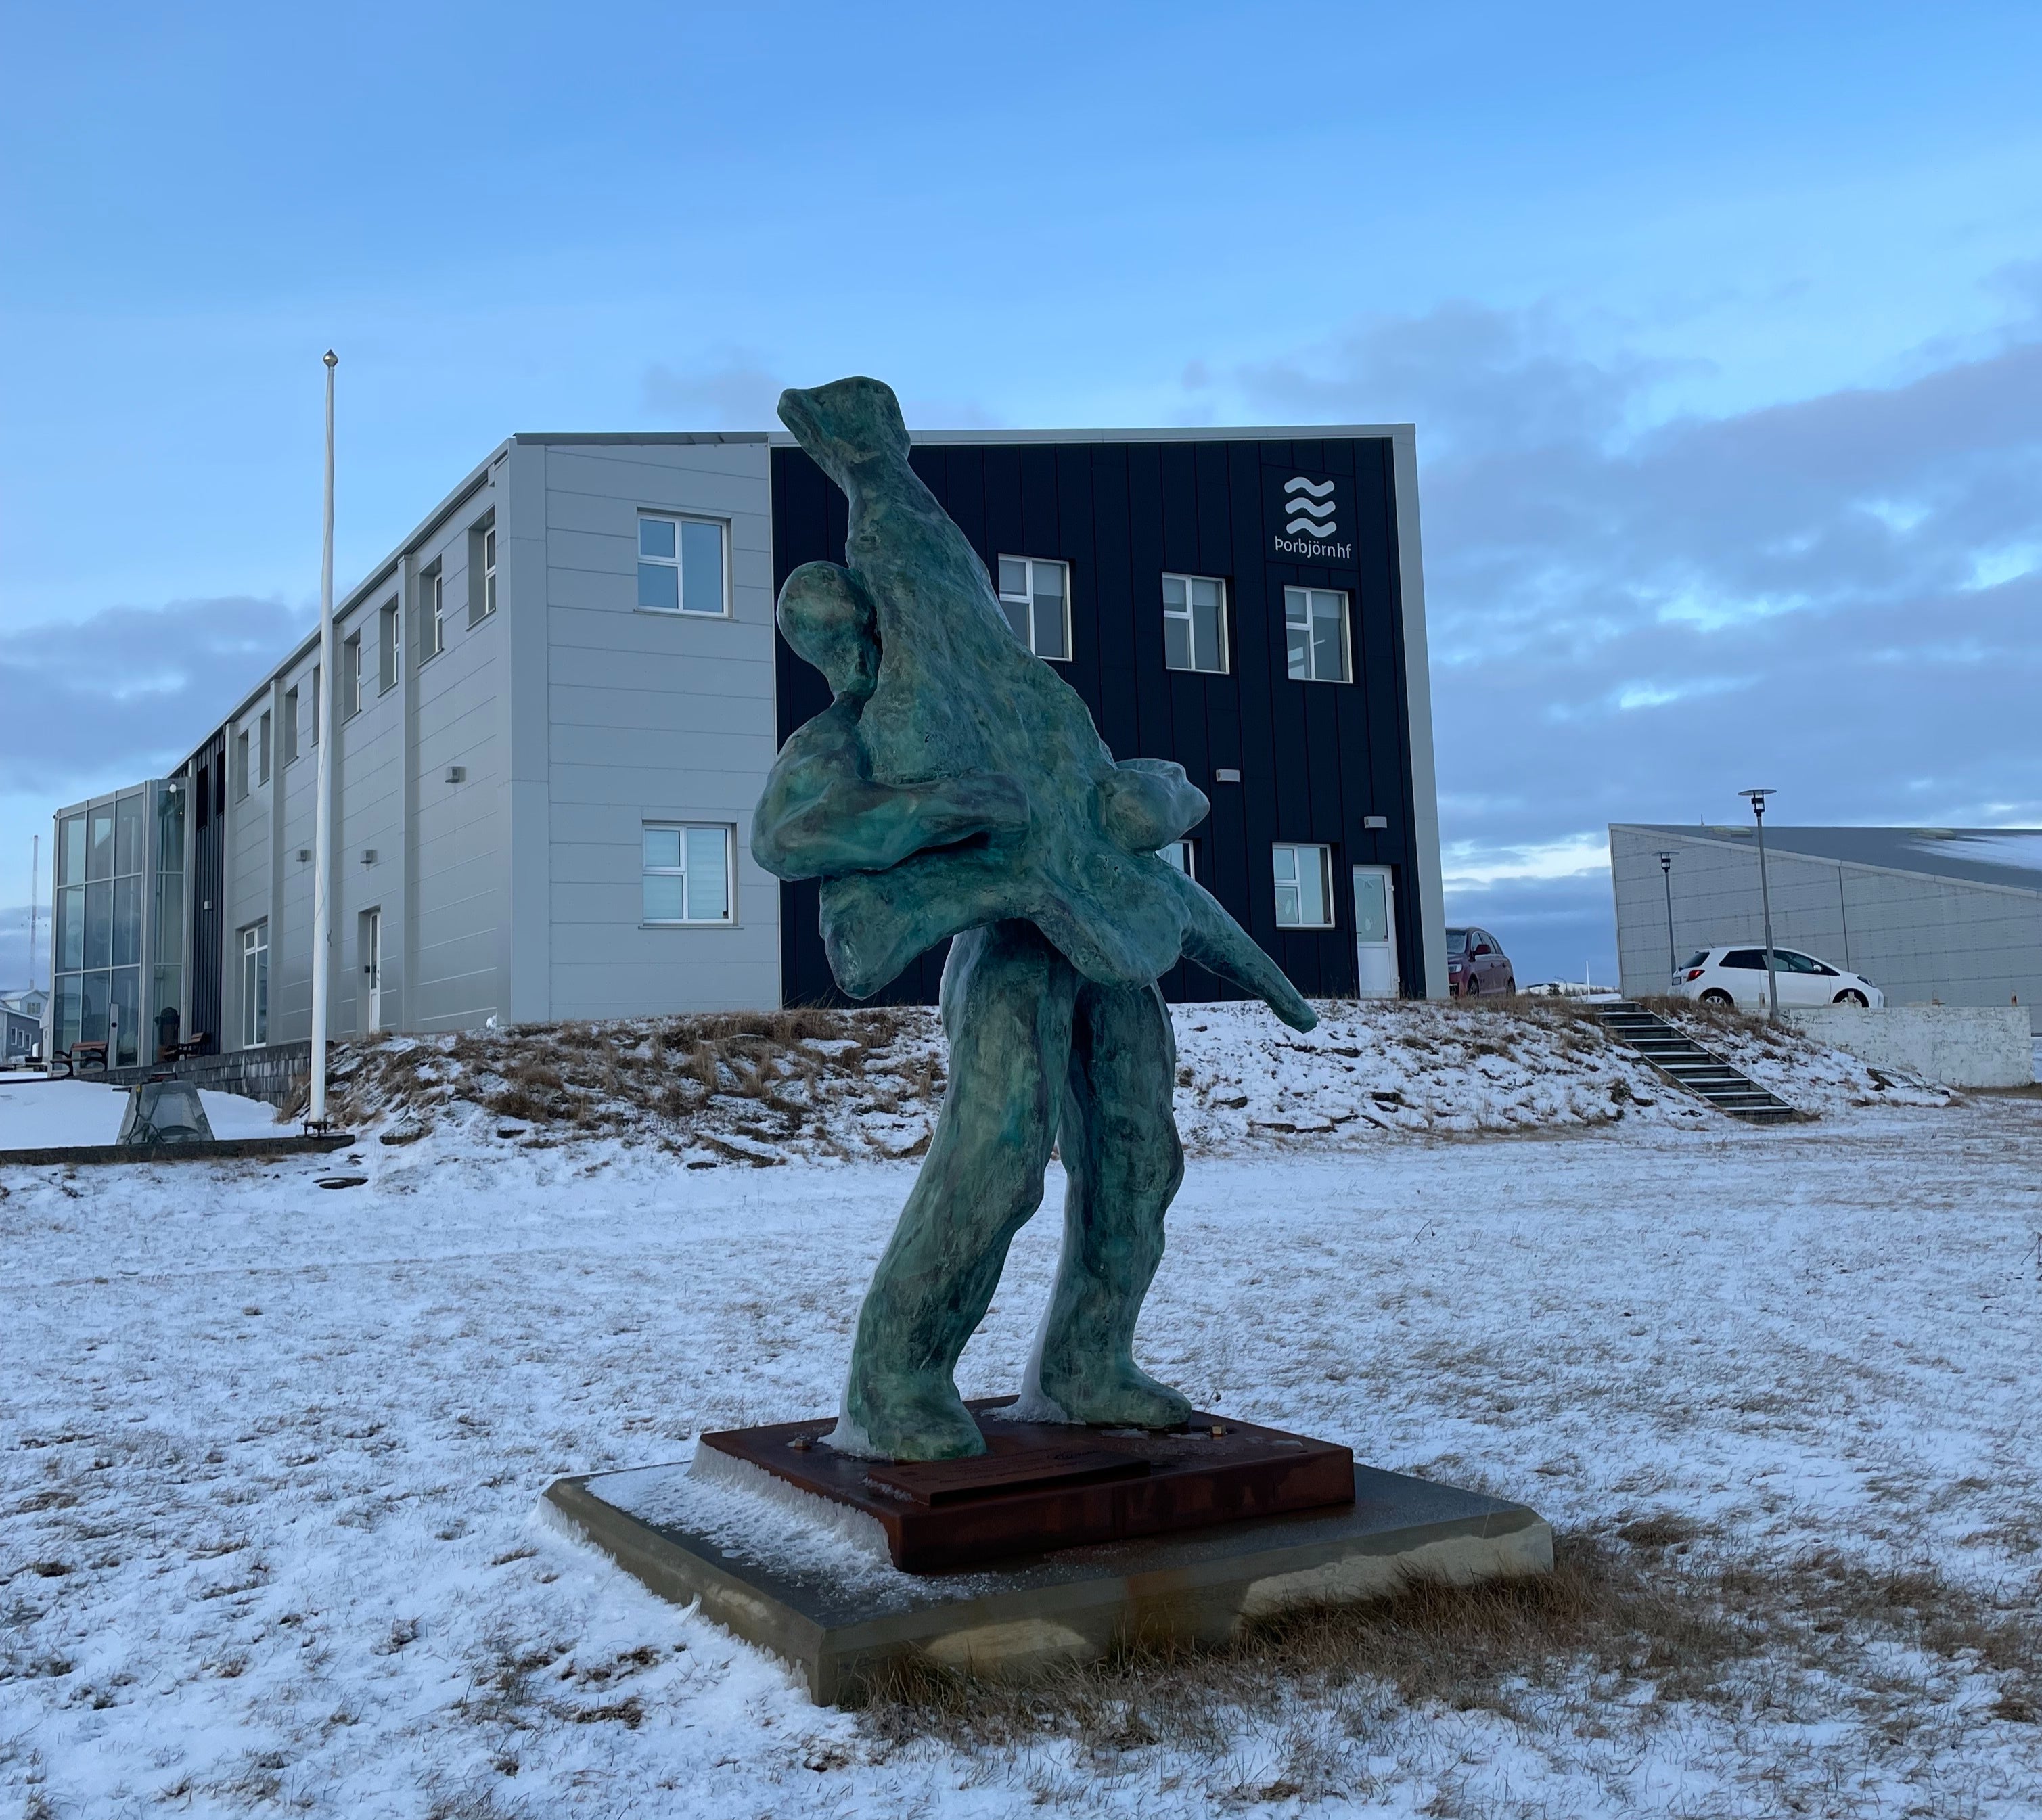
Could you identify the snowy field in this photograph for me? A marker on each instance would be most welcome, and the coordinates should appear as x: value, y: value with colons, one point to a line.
x: 271, y: 1455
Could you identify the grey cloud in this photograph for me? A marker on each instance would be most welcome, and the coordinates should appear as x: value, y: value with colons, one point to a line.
x: 129, y: 690
x: 1632, y: 623
x: 735, y: 392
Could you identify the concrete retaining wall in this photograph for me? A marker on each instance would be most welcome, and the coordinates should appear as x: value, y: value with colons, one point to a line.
x: 1961, y: 1045
x: 277, y: 1071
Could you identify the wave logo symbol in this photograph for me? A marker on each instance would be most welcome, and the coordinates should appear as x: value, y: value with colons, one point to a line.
x: 1310, y: 505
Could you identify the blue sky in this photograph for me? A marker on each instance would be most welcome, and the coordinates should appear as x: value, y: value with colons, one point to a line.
x: 1722, y: 333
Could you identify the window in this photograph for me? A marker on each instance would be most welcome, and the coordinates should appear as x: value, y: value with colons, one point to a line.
x: 1183, y: 855
x: 316, y: 703
x: 1743, y: 957
x: 482, y: 570
x: 262, y: 749
x: 240, y: 765
x: 680, y: 565
x: 686, y: 873
x: 1303, y: 898
x: 431, y: 605
x: 256, y: 983
x: 1193, y: 622
x: 351, y: 677
x: 1036, y: 593
x: 290, y: 725
x: 388, y: 649
x: 1315, y: 626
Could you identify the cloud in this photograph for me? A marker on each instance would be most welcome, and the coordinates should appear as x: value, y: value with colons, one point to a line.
x: 1633, y: 616
x: 128, y: 691
x: 734, y: 391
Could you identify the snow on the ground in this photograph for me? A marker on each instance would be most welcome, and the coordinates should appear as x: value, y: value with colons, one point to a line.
x: 273, y: 1453
x: 809, y: 1085
x: 40, y: 1115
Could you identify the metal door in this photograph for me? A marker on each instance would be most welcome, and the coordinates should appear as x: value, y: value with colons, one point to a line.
x: 1375, y: 932
x: 371, y: 968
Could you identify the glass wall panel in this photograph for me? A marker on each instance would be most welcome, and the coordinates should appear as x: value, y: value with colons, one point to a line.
x: 171, y: 828
x: 70, y: 849
x: 98, y: 990
x: 99, y: 923
x: 99, y: 843
x: 127, y: 1001
x: 70, y: 948
x: 170, y: 942
x: 165, y: 994
x: 66, y: 1011
x: 127, y: 921
x: 127, y: 834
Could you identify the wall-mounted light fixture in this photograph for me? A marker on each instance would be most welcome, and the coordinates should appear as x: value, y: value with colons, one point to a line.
x: 1226, y: 774
x: 304, y: 855
x: 456, y: 774
x: 369, y: 856
x: 1375, y: 821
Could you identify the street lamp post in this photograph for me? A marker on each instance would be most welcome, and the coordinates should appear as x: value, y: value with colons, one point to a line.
x: 1673, y: 963
x: 1756, y: 799
x: 316, y: 1111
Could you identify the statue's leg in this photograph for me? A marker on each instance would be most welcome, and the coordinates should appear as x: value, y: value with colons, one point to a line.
x: 1124, y: 1163
x: 1007, y: 1010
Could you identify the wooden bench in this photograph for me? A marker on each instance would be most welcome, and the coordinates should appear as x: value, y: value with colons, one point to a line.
x: 181, y: 1051
x: 82, y: 1055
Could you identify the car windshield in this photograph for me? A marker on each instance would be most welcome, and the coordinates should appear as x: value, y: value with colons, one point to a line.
x: 1457, y: 941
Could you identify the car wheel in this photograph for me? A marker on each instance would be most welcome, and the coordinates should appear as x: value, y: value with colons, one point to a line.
x: 1853, y: 997
x: 1716, y: 996
x: 1472, y: 989
x: 1510, y: 984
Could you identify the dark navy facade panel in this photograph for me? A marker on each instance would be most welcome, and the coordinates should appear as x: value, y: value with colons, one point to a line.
x: 1316, y: 759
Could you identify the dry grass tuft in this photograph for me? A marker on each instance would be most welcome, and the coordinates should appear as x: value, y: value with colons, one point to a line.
x: 719, y: 1082
x: 1644, y: 1604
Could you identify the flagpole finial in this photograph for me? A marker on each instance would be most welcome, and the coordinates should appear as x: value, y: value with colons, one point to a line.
x: 332, y: 359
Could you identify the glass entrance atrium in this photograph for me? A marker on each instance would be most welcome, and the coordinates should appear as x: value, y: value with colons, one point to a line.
x: 119, y: 922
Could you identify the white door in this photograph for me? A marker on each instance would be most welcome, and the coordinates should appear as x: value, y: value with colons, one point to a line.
x: 1375, y: 932
x: 371, y: 966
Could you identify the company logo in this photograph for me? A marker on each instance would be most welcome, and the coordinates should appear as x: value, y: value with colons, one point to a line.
x: 1310, y: 512
x: 1309, y: 503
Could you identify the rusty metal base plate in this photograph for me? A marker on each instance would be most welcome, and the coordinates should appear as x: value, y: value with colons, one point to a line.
x: 1042, y: 1486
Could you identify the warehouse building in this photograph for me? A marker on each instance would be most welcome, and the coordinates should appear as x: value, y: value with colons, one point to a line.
x: 556, y: 702
x: 1929, y: 914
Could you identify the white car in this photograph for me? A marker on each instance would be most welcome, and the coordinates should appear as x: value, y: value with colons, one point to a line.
x: 1730, y: 975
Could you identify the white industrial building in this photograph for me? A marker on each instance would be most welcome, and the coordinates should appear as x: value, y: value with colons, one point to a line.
x: 1930, y: 915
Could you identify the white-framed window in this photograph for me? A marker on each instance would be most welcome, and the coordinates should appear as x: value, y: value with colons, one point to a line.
x: 316, y: 703
x: 290, y: 725
x: 256, y: 983
x: 1183, y: 855
x: 262, y: 748
x: 1304, y: 885
x: 1315, y: 631
x: 431, y: 612
x: 482, y: 570
x: 681, y: 565
x: 388, y: 651
x: 240, y: 764
x: 351, y: 677
x: 1195, y: 622
x: 1036, y: 593
x: 687, y: 870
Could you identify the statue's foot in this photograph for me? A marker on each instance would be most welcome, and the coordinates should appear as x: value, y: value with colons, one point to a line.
x: 1115, y: 1395
x: 915, y: 1418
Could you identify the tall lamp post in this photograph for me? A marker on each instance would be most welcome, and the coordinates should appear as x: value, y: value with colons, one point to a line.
x: 1756, y: 799
x: 1673, y: 963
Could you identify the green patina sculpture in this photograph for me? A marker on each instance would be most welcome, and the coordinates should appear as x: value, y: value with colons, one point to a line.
x: 957, y: 787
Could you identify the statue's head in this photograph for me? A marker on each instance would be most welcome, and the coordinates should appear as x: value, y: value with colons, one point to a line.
x: 846, y: 423
x: 828, y: 619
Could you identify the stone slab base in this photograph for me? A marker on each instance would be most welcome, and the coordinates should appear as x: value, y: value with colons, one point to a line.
x: 212, y: 1150
x: 795, y: 1576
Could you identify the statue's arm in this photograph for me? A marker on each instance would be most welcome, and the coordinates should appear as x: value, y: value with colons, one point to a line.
x: 820, y: 817
x: 1216, y: 942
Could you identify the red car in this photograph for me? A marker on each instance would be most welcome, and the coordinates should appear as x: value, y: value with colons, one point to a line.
x: 1477, y: 964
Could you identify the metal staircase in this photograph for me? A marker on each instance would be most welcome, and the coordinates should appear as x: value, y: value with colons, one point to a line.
x: 1687, y: 1063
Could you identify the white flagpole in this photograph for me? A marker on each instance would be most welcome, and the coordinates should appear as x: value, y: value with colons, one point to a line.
x: 322, y: 802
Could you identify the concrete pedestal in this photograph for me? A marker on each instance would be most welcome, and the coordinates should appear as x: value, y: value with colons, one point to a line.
x: 802, y: 1578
